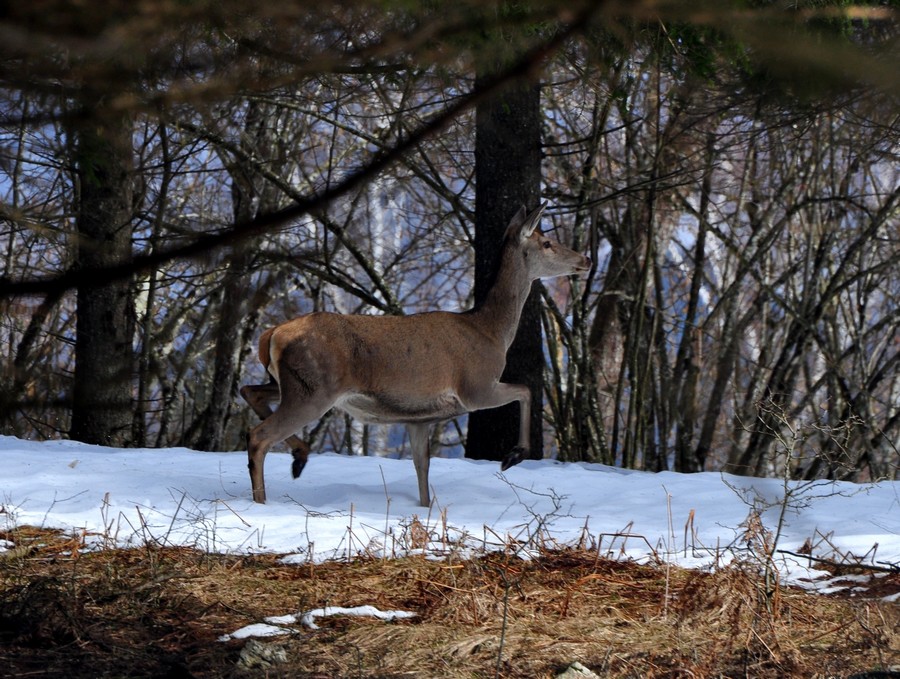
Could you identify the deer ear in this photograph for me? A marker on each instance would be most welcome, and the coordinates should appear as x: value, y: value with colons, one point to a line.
x: 523, y: 224
x: 533, y: 220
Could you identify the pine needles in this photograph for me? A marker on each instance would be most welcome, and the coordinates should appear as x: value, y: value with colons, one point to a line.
x: 112, y: 612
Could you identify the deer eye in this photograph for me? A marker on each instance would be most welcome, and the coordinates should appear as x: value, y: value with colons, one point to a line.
x: 547, y: 245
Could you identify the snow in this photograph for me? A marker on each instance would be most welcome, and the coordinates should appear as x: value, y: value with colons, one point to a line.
x: 275, y: 625
x: 308, y: 619
x: 256, y: 630
x: 343, y: 507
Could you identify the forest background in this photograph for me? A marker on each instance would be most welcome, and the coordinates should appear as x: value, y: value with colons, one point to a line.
x: 178, y: 176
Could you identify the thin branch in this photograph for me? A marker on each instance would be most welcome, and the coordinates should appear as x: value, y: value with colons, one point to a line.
x: 204, y: 244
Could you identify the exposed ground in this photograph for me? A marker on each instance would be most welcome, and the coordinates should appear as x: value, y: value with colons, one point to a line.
x: 153, y: 612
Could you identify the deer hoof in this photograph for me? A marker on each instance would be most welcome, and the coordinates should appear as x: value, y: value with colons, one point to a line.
x: 515, y: 457
x: 298, y: 464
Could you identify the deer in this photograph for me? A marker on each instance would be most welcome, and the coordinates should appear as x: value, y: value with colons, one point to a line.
x: 417, y: 370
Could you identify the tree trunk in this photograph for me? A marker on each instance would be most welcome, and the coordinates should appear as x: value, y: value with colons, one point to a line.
x: 230, y: 340
x: 507, y: 176
x: 104, y: 332
x: 686, y: 378
x: 237, y: 319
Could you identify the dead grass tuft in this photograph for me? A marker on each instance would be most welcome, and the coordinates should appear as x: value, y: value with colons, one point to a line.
x: 155, y: 612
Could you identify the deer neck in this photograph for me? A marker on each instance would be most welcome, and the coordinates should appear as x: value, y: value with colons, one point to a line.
x: 501, y: 309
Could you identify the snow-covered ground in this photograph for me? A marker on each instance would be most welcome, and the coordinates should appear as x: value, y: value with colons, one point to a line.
x: 345, y: 506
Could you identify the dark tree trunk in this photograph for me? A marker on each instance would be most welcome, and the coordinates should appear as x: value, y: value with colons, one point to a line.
x: 507, y: 176
x: 104, y: 332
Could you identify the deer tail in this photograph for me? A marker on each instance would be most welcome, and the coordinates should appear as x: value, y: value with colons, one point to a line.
x: 265, y: 353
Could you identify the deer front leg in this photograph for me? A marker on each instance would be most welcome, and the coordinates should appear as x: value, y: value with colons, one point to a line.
x: 523, y: 450
x: 419, y: 442
x: 502, y: 394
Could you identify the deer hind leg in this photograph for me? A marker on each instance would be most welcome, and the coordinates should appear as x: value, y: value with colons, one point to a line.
x: 280, y: 426
x: 276, y: 426
x: 419, y: 442
x: 260, y: 397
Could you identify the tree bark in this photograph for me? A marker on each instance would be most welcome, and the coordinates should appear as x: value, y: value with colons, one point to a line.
x: 507, y: 176
x: 250, y: 198
x: 104, y: 354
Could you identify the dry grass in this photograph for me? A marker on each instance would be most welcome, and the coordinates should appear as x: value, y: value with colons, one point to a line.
x: 159, y: 612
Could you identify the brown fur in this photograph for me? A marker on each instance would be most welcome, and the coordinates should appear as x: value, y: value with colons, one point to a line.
x: 415, y: 370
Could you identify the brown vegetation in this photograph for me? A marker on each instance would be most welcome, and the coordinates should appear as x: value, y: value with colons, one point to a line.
x: 160, y: 612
